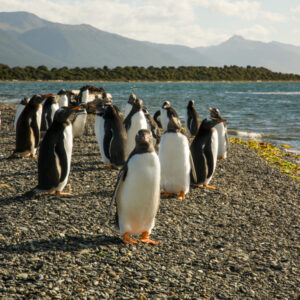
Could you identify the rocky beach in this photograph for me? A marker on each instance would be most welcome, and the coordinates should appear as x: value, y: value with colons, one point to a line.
x: 240, y: 241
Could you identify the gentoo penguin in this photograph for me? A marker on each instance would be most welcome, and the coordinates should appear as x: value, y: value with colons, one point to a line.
x: 63, y: 99
x: 191, y: 118
x: 79, y: 121
x: 28, y: 128
x: 50, y: 106
x: 129, y: 104
x: 222, y: 133
x: 166, y: 113
x: 137, y: 191
x: 55, y: 154
x: 20, y: 108
x: 175, y: 160
x: 204, y: 149
x: 115, y: 137
x: 135, y: 121
x: 153, y: 127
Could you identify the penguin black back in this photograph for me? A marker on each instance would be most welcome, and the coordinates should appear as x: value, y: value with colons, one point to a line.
x: 192, y: 119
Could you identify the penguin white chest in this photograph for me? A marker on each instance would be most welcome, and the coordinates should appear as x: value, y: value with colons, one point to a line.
x: 68, y: 146
x: 100, y: 132
x: 222, y: 148
x: 138, y: 121
x: 138, y: 198
x: 63, y: 101
x: 174, y: 156
x: 214, y: 150
x: 54, y: 108
x: 164, y: 118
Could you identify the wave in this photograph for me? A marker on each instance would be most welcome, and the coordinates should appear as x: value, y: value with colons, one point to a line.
x: 246, y: 134
x: 264, y: 93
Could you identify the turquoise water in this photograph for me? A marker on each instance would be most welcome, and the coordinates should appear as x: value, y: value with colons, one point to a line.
x: 266, y: 110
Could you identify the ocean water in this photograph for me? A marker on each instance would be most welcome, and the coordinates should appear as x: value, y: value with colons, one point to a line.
x: 268, y: 111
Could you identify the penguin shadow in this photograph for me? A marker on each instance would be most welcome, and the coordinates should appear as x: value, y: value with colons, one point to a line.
x: 65, y: 244
x: 85, y: 154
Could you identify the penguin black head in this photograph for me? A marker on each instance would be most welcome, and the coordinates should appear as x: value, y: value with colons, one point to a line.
x: 109, y: 111
x: 64, y: 112
x: 208, y: 124
x: 215, y: 113
x: 36, y: 100
x: 25, y: 101
x: 191, y: 104
x: 166, y: 104
x: 51, y: 100
x: 132, y: 98
x: 146, y: 111
x: 138, y: 104
x: 143, y: 138
x: 62, y: 92
x: 174, y: 124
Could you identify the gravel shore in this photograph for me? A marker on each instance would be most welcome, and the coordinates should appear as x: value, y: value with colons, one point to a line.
x: 240, y: 241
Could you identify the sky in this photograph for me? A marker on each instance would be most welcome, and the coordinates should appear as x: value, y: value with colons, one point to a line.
x: 193, y: 23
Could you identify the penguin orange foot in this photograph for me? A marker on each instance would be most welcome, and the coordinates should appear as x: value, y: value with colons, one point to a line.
x: 107, y: 167
x: 212, y: 187
x: 127, y: 239
x: 166, y: 194
x: 145, y: 239
x: 180, y: 196
x: 59, y: 193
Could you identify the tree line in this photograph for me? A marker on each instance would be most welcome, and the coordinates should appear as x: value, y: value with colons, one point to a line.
x: 183, y: 73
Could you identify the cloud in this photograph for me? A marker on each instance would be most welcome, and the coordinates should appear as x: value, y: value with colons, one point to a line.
x: 273, y: 17
x: 256, y: 32
x: 241, y: 9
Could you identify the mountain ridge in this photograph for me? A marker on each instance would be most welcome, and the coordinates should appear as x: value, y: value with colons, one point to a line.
x: 55, y: 45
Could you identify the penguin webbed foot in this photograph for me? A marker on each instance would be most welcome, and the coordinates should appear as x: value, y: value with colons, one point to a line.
x: 180, y: 196
x: 166, y: 194
x: 145, y: 239
x: 212, y: 187
x: 127, y: 239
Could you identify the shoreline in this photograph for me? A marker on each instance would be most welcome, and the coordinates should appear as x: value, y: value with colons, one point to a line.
x: 236, y: 242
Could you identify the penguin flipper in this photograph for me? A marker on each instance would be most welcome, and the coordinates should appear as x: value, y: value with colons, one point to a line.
x: 36, y: 131
x: 63, y: 160
x: 106, y: 142
x: 118, y: 185
x: 209, y: 161
x: 193, y: 170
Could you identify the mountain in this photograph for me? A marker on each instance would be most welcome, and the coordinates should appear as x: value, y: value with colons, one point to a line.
x: 239, y: 51
x: 26, y: 39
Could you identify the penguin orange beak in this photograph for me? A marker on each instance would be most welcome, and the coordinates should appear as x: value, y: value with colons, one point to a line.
x: 222, y: 121
x: 93, y: 105
x: 77, y: 107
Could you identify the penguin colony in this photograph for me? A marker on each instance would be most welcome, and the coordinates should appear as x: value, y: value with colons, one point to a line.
x: 155, y: 155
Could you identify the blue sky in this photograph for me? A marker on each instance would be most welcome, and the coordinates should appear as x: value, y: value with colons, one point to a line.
x: 188, y: 22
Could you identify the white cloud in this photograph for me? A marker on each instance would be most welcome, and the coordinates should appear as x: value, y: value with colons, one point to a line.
x: 243, y: 9
x: 273, y: 17
x: 256, y: 32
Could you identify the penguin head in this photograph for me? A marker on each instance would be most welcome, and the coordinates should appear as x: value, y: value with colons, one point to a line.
x: 174, y: 124
x: 36, y: 100
x: 191, y: 104
x: 25, y: 101
x: 208, y: 124
x: 132, y: 98
x: 62, y: 92
x: 64, y: 112
x: 166, y: 104
x: 109, y: 111
x: 138, y: 104
x: 214, y: 113
x: 146, y: 111
x: 143, y: 138
x: 51, y: 100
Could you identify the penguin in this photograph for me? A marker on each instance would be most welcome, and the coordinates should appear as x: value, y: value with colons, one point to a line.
x: 19, y: 110
x: 54, y: 161
x: 137, y: 191
x: 28, y: 128
x: 135, y: 121
x: 222, y: 133
x: 156, y: 118
x: 129, y: 104
x: 153, y: 127
x: 175, y: 160
x: 115, y: 137
x: 50, y: 106
x: 79, y: 121
x: 63, y: 99
x: 192, y: 119
x: 204, y: 149
x: 166, y: 113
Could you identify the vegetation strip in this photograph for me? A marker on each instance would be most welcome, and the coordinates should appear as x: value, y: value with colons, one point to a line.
x: 274, y: 155
x: 191, y: 73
